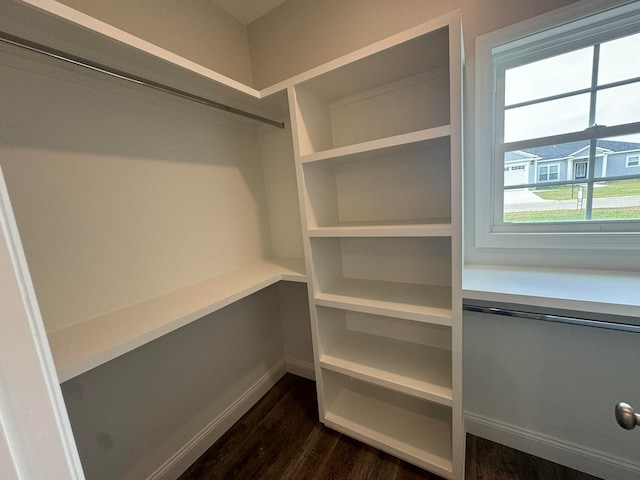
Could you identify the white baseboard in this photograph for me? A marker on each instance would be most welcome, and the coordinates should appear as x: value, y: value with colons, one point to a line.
x: 558, y: 451
x: 187, y: 455
x: 302, y: 369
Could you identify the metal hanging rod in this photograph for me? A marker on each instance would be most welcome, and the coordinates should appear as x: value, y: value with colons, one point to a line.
x: 97, y: 67
x: 505, y: 312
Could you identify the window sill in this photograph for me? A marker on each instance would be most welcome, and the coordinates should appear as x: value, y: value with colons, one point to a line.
x: 590, y: 291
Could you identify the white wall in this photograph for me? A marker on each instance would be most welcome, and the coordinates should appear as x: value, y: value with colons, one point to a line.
x: 195, y: 29
x: 552, y: 389
x: 136, y: 412
x: 122, y: 195
x: 301, y: 34
x: 278, y: 166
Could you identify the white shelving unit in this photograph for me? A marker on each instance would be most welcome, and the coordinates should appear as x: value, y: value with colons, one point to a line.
x: 377, y: 138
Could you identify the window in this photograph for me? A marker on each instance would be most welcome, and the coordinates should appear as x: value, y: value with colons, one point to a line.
x: 548, y: 173
x: 561, y: 89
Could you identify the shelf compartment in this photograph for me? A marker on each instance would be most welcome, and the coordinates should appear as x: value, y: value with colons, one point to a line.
x: 376, y: 97
x: 79, y: 348
x: 410, y: 357
x: 412, y: 429
x: 405, y: 277
x: 387, y: 187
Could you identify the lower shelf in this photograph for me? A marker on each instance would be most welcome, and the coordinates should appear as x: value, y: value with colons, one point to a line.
x: 403, y: 355
x: 79, y: 348
x: 412, y: 429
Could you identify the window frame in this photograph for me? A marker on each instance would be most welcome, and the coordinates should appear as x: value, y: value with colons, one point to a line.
x: 538, y: 38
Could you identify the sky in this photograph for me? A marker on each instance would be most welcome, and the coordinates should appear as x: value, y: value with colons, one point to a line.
x: 570, y: 72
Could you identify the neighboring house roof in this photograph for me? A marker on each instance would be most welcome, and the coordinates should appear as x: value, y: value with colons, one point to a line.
x: 567, y: 149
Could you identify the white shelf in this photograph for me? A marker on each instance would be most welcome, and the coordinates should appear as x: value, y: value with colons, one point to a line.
x: 429, y: 138
x: 398, y: 185
x: 403, y: 58
x: 79, y: 348
x: 407, y: 367
x: 412, y: 429
x: 411, y: 301
x: 59, y: 26
x: 601, y: 292
x: 428, y: 227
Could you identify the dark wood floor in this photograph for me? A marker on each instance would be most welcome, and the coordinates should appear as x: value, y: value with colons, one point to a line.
x: 280, y: 438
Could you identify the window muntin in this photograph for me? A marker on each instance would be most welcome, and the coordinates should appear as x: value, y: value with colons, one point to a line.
x: 618, y: 59
x: 583, y: 113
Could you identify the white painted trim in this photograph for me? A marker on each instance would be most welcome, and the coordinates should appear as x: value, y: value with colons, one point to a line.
x: 300, y: 368
x: 33, y: 416
x: 559, y: 451
x: 488, y: 206
x: 194, y: 448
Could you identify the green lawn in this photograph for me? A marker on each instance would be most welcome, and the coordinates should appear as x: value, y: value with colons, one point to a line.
x: 622, y: 188
x: 628, y: 213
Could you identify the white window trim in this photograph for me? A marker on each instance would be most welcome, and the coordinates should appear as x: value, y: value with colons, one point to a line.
x: 488, y: 235
x: 629, y: 157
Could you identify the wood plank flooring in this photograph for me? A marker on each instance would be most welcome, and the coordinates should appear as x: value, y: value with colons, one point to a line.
x: 280, y: 438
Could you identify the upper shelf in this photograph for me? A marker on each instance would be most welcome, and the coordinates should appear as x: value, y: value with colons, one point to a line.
x: 413, y: 57
x: 60, y: 27
x: 392, y: 146
x: 79, y: 348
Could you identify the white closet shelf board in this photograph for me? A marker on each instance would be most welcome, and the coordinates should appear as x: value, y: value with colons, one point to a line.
x: 423, y: 227
x: 602, y: 292
x: 414, y: 436
x: 380, y: 63
x: 429, y: 138
x: 54, y: 24
x: 79, y: 348
x: 411, y: 301
x: 58, y: 26
x: 407, y: 367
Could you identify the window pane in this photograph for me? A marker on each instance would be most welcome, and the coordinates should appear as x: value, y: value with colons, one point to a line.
x: 618, y: 156
x: 619, y: 59
x: 617, y: 200
x: 617, y: 106
x: 560, y: 74
x: 545, y: 204
x: 565, y: 115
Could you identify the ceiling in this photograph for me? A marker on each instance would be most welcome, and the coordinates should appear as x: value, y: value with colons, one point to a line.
x: 246, y: 11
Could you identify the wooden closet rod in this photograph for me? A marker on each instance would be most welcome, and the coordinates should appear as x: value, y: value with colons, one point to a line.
x: 82, y: 62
